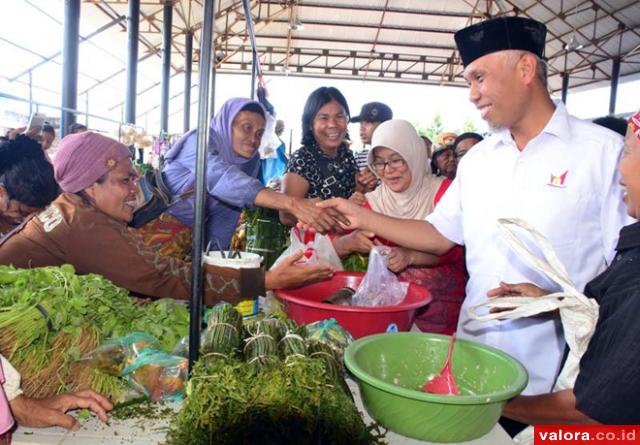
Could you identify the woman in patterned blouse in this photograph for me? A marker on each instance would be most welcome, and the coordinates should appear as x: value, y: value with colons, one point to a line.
x: 323, y: 167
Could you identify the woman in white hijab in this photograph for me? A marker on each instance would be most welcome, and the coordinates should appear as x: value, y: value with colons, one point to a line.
x: 409, y: 190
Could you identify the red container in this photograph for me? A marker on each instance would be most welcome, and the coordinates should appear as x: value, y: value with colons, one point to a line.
x: 304, y: 306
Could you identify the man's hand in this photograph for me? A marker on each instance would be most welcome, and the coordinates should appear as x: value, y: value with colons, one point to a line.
x: 287, y: 274
x: 517, y: 290
x: 52, y: 411
x: 357, y: 241
x: 366, y: 181
x: 348, y: 209
x: 321, y: 220
x: 399, y: 259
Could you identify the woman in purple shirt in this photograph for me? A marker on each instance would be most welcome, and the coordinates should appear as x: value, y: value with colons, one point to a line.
x: 233, y: 164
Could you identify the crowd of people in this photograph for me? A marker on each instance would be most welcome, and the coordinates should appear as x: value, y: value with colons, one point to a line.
x: 434, y: 203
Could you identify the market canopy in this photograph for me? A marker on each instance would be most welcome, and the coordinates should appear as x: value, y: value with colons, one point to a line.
x: 408, y: 41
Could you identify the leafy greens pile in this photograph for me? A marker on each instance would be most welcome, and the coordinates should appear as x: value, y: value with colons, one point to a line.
x: 50, y: 317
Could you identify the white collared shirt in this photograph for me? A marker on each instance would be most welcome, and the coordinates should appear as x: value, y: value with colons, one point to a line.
x: 565, y: 183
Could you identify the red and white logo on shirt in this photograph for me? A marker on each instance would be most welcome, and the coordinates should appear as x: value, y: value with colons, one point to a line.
x: 558, y: 180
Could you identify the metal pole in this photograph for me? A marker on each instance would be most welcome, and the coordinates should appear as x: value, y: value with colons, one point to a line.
x: 86, y: 109
x: 30, y: 92
x: 254, y: 50
x: 253, y: 74
x: 615, y: 77
x: 200, y: 195
x: 131, y: 95
x: 167, y: 17
x: 565, y: 87
x: 70, y: 44
x: 188, y: 59
x: 212, y: 105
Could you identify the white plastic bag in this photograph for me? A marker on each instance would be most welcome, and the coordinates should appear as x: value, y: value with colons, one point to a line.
x: 380, y: 286
x: 317, y: 249
x: 578, y: 313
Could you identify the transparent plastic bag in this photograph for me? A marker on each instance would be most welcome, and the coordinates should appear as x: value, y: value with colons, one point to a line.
x: 317, y: 249
x: 158, y: 375
x: 113, y: 356
x: 380, y: 286
x: 332, y: 334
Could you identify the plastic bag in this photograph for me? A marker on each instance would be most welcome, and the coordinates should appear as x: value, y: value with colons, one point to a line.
x: 317, y: 249
x: 380, y: 286
x: 158, y: 375
x: 114, y: 355
x: 331, y: 333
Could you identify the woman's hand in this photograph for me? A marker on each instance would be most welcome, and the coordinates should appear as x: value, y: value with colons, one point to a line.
x: 358, y: 198
x: 321, y: 220
x: 52, y: 411
x: 288, y: 274
x: 517, y: 290
x: 399, y: 259
x: 357, y: 241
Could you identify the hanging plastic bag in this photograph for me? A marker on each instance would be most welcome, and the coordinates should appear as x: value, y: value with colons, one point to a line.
x: 317, y: 249
x: 380, y: 286
x: 579, y: 314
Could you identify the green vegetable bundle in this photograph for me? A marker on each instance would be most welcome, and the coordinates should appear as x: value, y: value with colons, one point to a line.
x: 266, y: 236
x: 50, y: 317
x: 224, y: 328
x: 228, y: 403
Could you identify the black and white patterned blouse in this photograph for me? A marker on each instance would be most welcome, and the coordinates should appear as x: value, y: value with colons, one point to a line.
x: 327, y: 178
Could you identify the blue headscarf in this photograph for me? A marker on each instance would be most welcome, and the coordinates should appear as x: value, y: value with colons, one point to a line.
x: 220, y: 137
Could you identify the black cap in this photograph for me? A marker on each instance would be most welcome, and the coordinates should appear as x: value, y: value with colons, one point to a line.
x: 500, y: 34
x: 374, y: 112
x: 467, y: 135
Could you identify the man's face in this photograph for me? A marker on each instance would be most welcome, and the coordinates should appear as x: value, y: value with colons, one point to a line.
x: 495, y: 89
x: 366, y: 131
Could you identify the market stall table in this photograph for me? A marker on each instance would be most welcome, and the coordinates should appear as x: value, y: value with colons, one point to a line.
x: 142, y: 431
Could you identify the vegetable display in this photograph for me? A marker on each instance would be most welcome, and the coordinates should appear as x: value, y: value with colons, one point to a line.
x: 275, y: 389
x: 50, y: 317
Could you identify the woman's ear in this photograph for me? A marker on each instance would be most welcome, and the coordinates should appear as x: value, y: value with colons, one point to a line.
x: 4, y: 198
x: 91, y: 192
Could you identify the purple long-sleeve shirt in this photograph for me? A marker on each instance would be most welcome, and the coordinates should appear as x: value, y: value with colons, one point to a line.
x: 232, y: 182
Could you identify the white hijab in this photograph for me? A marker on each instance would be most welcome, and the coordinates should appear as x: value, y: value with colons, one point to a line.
x: 417, y: 201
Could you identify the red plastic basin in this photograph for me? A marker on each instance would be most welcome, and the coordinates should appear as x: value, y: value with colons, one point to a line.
x: 304, y: 306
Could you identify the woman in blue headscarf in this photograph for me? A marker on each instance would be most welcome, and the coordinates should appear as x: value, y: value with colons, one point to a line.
x: 233, y: 164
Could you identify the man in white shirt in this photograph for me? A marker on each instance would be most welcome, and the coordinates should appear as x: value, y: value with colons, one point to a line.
x: 554, y: 171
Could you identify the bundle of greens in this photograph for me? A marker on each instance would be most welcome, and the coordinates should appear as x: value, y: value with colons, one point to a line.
x: 265, y: 235
x: 293, y: 403
x: 50, y: 317
x: 224, y: 330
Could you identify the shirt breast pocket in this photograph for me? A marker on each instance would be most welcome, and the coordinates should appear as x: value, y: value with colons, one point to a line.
x: 562, y: 215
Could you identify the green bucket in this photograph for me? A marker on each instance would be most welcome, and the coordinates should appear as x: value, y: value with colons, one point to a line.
x: 391, y: 369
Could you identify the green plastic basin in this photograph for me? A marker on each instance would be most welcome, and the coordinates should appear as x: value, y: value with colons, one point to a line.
x: 391, y: 369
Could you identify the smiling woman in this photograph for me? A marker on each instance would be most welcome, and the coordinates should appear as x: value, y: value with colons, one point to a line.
x: 323, y: 167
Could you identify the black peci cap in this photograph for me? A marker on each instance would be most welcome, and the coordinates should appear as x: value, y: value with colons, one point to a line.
x: 500, y: 34
x: 374, y: 112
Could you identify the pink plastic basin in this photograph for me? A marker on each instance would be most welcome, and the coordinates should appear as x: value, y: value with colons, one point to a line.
x: 304, y: 306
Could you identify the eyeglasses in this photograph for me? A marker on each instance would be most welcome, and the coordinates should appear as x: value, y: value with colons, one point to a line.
x: 393, y: 163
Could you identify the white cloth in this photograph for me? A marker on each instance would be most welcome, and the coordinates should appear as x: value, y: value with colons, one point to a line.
x: 580, y: 213
x: 11, y: 385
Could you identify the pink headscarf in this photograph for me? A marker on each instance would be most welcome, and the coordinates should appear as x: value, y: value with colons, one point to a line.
x: 83, y: 158
x: 634, y: 124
